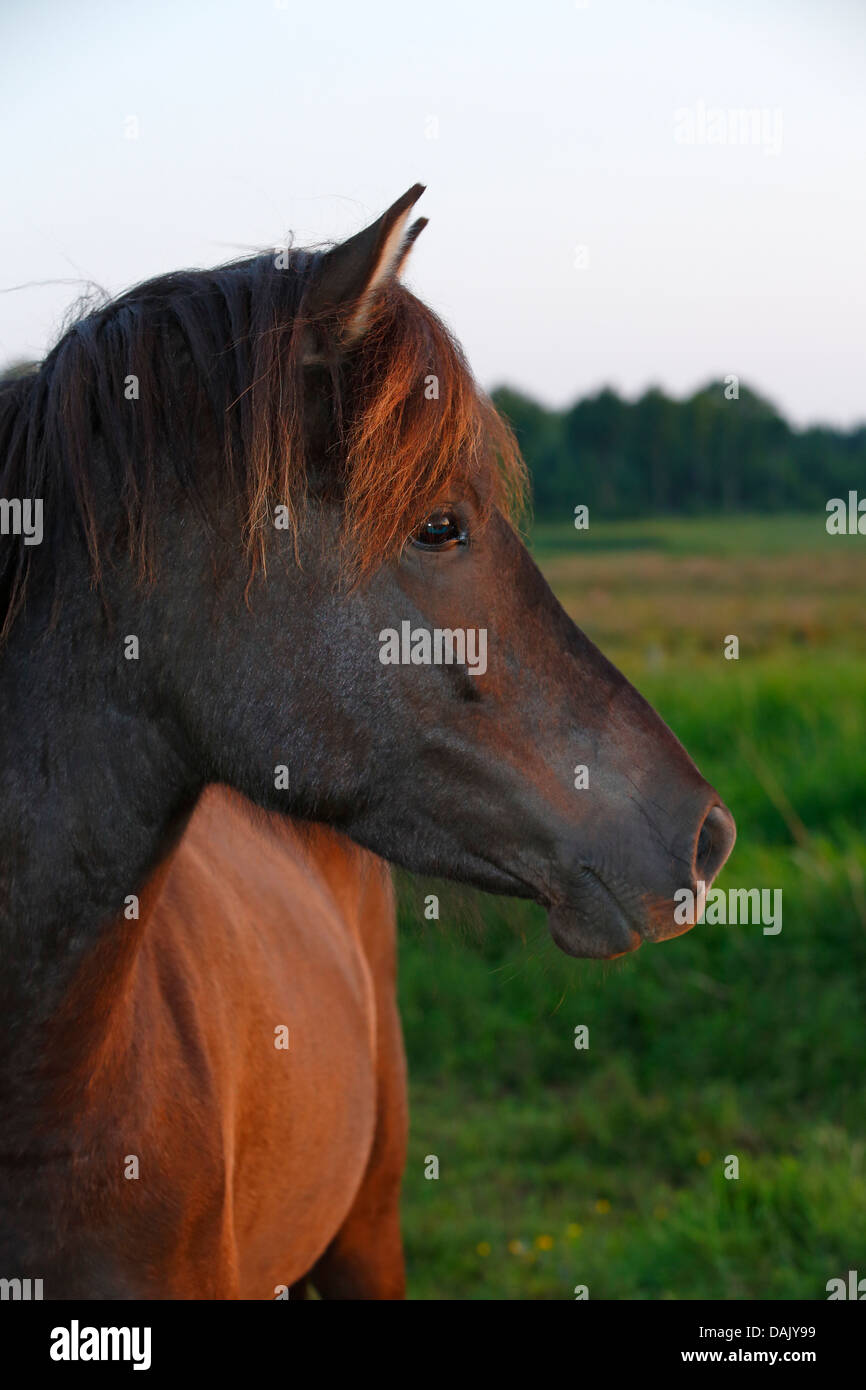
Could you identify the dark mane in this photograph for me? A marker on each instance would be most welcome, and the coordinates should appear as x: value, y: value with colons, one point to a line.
x: 220, y: 354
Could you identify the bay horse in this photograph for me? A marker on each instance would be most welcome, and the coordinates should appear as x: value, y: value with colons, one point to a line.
x: 247, y: 476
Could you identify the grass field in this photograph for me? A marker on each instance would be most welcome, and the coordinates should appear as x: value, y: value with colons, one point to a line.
x: 605, y: 1166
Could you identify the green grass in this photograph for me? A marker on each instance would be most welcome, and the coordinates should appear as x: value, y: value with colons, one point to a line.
x: 605, y: 1166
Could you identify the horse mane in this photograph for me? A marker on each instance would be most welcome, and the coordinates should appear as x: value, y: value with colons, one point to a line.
x: 220, y: 354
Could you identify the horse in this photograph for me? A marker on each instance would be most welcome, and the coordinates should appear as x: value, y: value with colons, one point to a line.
x: 246, y: 478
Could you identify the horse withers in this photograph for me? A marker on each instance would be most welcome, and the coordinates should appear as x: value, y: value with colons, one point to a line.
x: 249, y: 477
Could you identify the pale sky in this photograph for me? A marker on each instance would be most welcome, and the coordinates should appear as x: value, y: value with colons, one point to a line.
x: 538, y: 128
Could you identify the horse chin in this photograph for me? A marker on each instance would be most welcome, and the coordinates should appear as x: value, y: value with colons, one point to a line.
x: 592, y: 936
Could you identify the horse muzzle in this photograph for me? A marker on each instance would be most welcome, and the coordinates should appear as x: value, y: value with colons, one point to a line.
x: 605, y: 915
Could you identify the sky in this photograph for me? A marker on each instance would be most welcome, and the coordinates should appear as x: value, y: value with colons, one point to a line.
x: 600, y: 211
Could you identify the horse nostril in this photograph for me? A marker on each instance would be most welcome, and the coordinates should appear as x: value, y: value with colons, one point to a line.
x: 705, y: 845
x: 715, y: 842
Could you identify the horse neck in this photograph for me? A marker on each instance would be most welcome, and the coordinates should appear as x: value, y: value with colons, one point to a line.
x: 93, y: 798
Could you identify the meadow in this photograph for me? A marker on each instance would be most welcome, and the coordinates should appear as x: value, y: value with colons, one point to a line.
x: 605, y: 1166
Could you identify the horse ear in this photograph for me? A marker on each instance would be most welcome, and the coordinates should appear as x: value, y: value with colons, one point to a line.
x: 408, y: 242
x: 352, y: 274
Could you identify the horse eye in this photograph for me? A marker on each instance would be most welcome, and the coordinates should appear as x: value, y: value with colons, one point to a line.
x: 439, y: 530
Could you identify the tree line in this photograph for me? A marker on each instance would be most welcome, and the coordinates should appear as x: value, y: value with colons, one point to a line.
x: 709, y: 452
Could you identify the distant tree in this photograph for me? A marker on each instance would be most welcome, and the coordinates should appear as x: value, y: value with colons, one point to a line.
x: 707, y: 452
